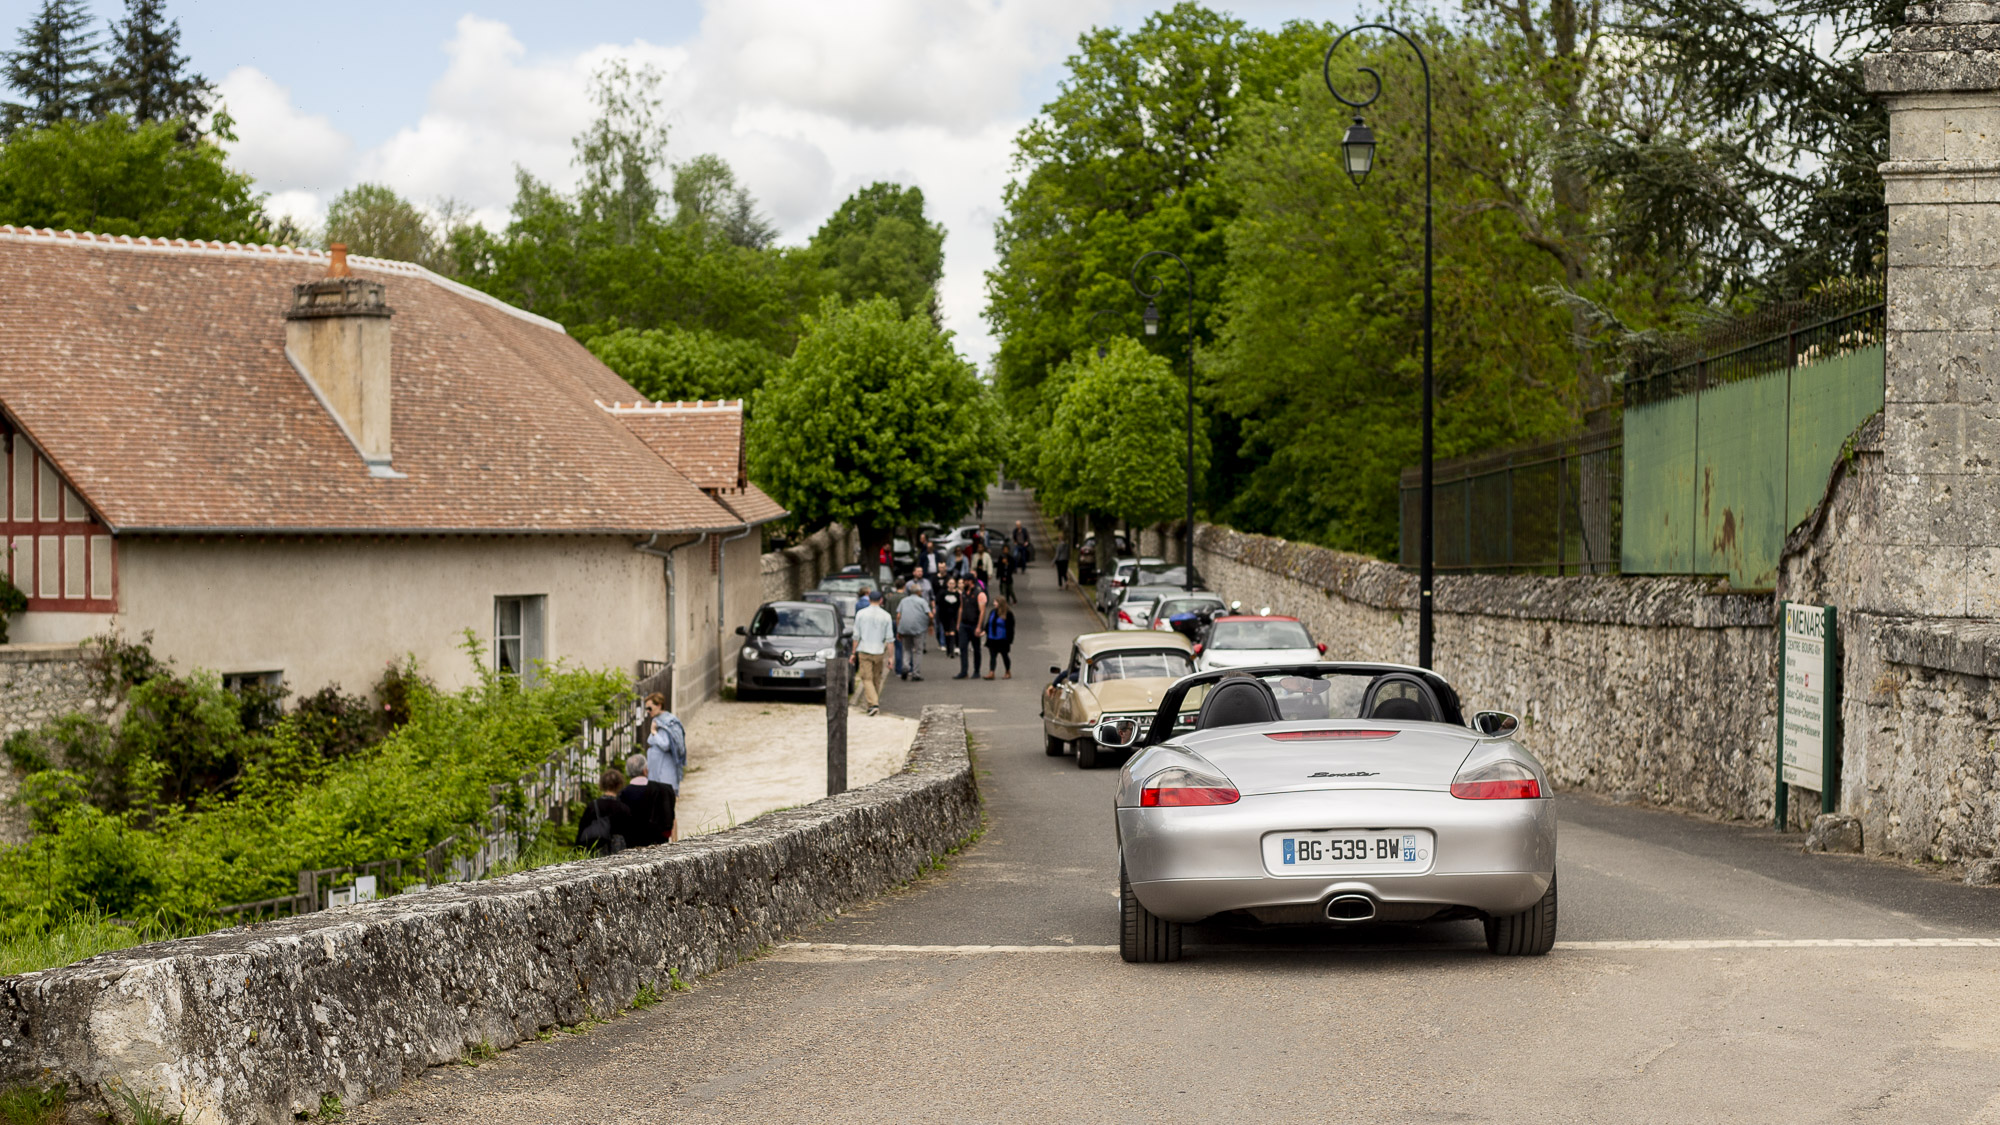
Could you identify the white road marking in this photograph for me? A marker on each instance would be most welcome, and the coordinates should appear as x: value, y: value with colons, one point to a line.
x: 849, y: 949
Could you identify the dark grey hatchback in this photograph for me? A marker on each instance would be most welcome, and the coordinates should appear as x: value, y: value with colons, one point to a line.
x: 786, y: 647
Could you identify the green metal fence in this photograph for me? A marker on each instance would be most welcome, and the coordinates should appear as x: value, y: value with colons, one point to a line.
x: 1728, y: 443
x: 1551, y: 508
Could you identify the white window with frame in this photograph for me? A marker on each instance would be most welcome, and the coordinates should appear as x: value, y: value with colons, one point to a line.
x: 518, y: 635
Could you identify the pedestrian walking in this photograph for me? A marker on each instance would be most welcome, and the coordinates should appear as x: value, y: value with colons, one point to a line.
x: 1026, y: 548
x: 947, y: 616
x: 642, y: 797
x: 1007, y: 573
x: 1062, y: 563
x: 999, y: 632
x: 607, y: 824
x: 982, y: 564
x: 873, y: 633
x: 971, y: 609
x: 913, y: 620
x: 666, y: 762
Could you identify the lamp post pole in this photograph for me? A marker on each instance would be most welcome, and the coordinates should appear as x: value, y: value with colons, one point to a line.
x: 1090, y: 330
x: 1358, y: 154
x: 1153, y: 329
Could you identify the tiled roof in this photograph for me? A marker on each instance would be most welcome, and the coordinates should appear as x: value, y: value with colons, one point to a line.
x: 152, y: 372
x: 751, y: 505
x: 704, y: 440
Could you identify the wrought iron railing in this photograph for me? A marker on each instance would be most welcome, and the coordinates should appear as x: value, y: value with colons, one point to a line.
x: 1552, y: 507
x: 1842, y: 318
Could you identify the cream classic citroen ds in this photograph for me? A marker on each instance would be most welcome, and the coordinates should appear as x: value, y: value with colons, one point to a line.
x: 1110, y: 676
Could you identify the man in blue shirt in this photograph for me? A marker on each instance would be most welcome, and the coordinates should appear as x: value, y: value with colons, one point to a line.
x: 666, y: 761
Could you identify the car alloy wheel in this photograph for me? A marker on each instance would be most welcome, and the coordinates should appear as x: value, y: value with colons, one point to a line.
x: 1531, y: 933
x: 1143, y: 936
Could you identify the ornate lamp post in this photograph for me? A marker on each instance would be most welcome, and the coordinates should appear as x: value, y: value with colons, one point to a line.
x: 1357, y: 154
x: 1153, y: 329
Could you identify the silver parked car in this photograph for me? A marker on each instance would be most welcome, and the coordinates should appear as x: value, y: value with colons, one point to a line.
x: 786, y: 647
x: 1134, y: 607
x: 1329, y: 794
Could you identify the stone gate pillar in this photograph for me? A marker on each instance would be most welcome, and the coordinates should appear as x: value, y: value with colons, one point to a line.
x: 1938, y: 516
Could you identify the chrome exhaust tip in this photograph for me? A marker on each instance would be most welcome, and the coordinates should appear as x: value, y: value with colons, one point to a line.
x: 1350, y: 908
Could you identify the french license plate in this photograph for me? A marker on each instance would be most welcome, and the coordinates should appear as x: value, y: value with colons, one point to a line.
x: 788, y: 673
x: 1349, y: 851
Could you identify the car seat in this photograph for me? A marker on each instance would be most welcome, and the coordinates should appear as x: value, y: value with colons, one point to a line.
x: 1236, y: 701
x: 1398, y: 707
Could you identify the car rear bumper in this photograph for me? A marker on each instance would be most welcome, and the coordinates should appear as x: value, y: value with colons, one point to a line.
x: 1189, y: 863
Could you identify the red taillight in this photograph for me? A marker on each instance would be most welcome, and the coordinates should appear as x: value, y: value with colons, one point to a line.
x: 1177, y: 798
x: 1496, y: 790
x: 1503, y: 780
x: 1317, y: 735
x: 1180, y: 787
x: 1125, y: 617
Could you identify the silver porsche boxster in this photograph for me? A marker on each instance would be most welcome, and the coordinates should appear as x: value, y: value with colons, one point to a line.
x: 1330, y: 794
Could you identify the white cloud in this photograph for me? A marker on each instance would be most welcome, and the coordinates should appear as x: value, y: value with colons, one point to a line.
x: 285, y: 149
x: 807, y: 101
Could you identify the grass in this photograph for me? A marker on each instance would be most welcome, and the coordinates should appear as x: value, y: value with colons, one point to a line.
x: 330, y: 1108
x: 147, y: 1112
x: 85, y: 935
x: 480, y: 1052
x: 647, y: 997
x: 33, y: 1105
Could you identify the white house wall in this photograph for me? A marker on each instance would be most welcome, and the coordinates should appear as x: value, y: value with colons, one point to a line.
x: 337, y: 610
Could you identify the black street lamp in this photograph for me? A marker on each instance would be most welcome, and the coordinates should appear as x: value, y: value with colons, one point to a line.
x: 1153, y: 329
x: 1357, y: 153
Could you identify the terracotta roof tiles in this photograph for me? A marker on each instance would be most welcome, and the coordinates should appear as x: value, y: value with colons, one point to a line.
x: 152, y: 372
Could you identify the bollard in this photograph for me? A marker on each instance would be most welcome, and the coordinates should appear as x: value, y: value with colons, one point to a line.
x: 837, y: 679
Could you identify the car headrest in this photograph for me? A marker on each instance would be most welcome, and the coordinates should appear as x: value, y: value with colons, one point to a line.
x: 1236, y: 701
x: 1400, y: 708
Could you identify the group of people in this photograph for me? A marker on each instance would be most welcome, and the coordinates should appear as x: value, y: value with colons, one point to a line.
x: 963, y: 599
x: 635, y: 806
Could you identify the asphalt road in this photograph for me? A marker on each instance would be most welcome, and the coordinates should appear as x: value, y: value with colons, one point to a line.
x: 1704, y: 973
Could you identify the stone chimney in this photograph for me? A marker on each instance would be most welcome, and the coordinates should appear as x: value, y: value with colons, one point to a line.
x: 337, y: 336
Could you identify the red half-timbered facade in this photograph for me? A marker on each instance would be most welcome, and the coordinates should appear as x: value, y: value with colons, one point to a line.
x: 56, y: 549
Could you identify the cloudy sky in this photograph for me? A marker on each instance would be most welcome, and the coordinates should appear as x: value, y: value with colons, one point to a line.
x: 807, y: 99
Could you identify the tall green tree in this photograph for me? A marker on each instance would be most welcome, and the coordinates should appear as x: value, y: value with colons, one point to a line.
x: 114, y: 177
x: 623, y: 151
x: 879, y: 244
x: 708, y: 198
x: 55, y: 69
x: 1768, y: 183
x: 1121, y: 162
x: 679, y: 364
x: 1115, y: 445
x: 874, y: 421
x: 371, y: 219
x: 146, y: 77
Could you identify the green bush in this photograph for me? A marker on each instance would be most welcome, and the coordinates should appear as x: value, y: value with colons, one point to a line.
x: 306, y: 795
x: 12, y: 601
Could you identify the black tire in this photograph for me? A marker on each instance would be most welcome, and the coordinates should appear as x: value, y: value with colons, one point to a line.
x: 1052, y: 746
x: 1086, y: 753
x: 1143, y: 937
x: 1530, y: 933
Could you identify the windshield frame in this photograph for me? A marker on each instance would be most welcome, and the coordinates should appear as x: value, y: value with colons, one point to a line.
x: 810, y: 609
x: 1090, y: 663
x: 1167, y: 714
x: 1305, y: 634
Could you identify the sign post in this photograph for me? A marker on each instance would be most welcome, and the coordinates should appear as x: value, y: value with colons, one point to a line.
x: 1808, y: 705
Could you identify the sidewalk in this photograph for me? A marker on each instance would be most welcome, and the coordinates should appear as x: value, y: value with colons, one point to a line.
x: 745, y: 759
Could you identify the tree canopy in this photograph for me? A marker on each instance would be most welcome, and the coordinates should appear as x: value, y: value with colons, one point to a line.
x: 879, y: 244
x: 113, y: 177
x: 874, y: 421
x: 1116, y: 440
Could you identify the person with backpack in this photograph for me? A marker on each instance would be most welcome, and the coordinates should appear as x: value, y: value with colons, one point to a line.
x: 607, y: 825
x: 666, y: 761
x: 913, y: 620
x: 999, y: 632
